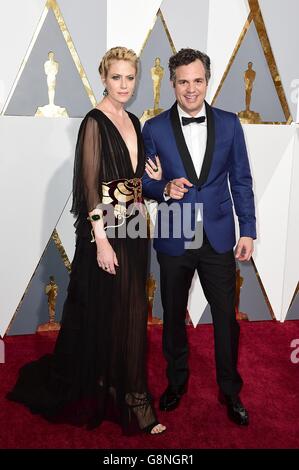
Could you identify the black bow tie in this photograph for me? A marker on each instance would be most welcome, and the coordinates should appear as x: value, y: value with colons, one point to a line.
x: 186, y: 120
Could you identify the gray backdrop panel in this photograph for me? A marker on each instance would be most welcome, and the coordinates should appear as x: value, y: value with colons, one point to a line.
x: 264, y: 96
x: 32, y: 90
x: 91, y: 40
x: 281, y: 20
x: 293, y: 313
x: 156, y: 46
x: 34, y: 308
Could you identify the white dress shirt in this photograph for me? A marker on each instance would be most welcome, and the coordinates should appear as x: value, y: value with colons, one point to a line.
x: 196, y: 137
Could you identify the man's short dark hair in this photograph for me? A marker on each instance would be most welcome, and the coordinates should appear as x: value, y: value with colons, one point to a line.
x: 187, y: 56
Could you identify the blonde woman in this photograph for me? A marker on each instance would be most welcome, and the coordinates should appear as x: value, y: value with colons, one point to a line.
x: 98, y: 369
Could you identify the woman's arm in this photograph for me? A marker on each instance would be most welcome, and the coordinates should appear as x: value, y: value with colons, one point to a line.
x: 91, y: 157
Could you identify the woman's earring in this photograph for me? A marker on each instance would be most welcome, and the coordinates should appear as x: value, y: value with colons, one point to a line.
x: 105, y: 92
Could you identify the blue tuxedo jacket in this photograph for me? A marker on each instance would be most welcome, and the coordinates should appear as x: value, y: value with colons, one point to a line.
x: 225, y: 165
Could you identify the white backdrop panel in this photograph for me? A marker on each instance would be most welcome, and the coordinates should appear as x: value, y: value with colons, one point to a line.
x: 291, y: 271
x: 129, y: 22
x: 66, y: 230
x: 35, y: 182
x: 196, y: 301
x: 266, y: 145
x: 272, y: 214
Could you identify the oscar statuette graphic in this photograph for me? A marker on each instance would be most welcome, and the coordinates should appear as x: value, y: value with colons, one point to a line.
x: 151, y: 286
x: 157, y: 74
x: 239, y: 283
x: 51, y: 290
x: 51, y: 68
x: 248, y: 116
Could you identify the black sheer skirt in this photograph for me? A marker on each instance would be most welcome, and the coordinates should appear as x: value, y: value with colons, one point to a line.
x: 98, y: 367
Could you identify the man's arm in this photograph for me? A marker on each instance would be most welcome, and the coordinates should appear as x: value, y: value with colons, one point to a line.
x: 241, y: 184
x: 241, y: 188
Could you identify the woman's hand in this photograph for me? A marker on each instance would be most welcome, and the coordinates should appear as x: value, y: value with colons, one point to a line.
x: 106, y: 256
x: 154, y: 170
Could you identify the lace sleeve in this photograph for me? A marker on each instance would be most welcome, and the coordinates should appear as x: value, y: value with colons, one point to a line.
x: 87, y: 167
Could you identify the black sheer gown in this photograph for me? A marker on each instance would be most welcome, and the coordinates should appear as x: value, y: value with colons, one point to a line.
x: 98, y: 368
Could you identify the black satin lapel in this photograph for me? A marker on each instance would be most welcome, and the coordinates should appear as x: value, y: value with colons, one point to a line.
x: 182, y: 146
x: 207, y: 161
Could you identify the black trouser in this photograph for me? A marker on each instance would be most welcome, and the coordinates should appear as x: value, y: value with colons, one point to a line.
x: 217, y: 274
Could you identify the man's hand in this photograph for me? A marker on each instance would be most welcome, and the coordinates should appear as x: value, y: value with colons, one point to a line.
x: 176, y: 188
x: 244, y: 249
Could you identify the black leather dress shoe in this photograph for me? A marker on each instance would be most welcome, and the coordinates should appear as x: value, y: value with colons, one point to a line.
x: 171, y: 398
x: 235, y: 410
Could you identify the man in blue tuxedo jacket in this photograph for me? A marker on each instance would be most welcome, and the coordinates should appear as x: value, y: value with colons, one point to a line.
x: 204, y: 161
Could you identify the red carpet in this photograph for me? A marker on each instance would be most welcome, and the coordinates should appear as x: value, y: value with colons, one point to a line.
x: 271, y: 393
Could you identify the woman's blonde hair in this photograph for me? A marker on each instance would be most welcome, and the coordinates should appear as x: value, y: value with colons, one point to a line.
x: 117, y: 53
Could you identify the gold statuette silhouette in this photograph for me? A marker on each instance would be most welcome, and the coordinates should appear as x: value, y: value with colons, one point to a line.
x: 51, y: 290
x: 151, y: 286
x: 239, y: 283
x: 51, y: 68
x: 157, y: 74
x: 248, y: 116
